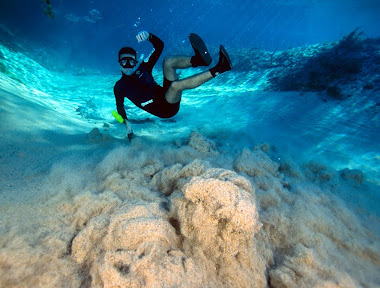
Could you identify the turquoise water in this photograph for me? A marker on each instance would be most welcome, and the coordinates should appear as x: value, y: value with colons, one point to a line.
x: 233, y: 109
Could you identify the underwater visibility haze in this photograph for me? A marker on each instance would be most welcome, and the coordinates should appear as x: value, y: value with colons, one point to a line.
x: 268, y: 176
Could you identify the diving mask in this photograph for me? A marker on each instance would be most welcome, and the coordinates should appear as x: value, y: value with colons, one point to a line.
x: 128, y: 62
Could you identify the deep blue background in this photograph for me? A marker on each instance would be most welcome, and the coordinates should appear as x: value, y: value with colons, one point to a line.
x: 237, y: 24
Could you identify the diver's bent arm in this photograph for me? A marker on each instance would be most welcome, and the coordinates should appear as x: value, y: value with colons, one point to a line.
x: 158, y: 46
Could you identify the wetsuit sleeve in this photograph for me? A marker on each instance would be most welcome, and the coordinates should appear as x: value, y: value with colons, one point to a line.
x: 158, y: 46
x: 120, y: 104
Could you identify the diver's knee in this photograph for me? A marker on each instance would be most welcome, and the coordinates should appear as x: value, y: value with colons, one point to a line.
x: 176, y: 86
x: 168, y: 62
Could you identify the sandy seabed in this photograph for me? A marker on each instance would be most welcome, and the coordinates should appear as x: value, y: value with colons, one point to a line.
x: 186, y: 215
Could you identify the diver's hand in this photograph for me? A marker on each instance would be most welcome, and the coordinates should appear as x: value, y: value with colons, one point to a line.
x: 128, y: 127
x: 142, y: 36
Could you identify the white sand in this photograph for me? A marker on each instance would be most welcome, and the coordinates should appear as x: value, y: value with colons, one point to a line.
x: 112, y: 214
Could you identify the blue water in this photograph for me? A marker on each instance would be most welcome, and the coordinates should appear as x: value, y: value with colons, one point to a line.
x: 75, y: 36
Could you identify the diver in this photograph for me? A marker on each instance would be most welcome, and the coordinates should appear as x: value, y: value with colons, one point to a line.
x: 48, y: 10
x: 138, y: 85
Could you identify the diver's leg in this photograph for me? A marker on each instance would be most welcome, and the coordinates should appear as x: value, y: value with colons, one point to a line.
x: 224, y: 63
x: 201, y: 58
x: 175, y: 62
x: 174, y: 93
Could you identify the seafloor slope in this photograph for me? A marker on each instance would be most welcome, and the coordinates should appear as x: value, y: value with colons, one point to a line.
x: 181, y: 215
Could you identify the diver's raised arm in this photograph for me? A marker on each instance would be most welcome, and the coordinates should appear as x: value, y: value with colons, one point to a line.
x: 158, y: 46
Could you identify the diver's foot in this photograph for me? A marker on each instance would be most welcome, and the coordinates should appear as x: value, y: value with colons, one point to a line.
x: 202, y: 56
x: 224, y: 63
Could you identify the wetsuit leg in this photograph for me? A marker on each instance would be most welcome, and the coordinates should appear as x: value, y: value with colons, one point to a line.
x: 160, y: 106
x: 172, y: 63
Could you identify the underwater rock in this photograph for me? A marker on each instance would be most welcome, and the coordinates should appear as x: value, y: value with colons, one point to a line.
x: 368, y: 86
x: 19, y: 265
x: 204, y: 241
x: 326, y: 67
x: 123, y: 163
x: 256, y: 163
x: 291, y: 169
x: 319, y: 173
x: 334, y: 92
x: 266, y: 148
x: 218, y: 220
x: 174, y: 177
x: 303, y: 262
x: 83, y: 250
x: 203, y: 145
x: 95, y: 136
x: 303, y: 231
x: 113, y: 227
x: 138, y: 248
x: 354, y: 175
x: 166, y: 180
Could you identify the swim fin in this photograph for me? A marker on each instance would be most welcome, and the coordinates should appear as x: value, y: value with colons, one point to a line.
x: 224, y: 63
x: 202, y: 56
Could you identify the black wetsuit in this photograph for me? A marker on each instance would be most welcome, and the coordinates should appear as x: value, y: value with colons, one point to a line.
x: 142, y: 90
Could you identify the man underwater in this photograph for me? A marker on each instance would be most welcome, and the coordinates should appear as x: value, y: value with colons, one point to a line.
x: 138, y: 85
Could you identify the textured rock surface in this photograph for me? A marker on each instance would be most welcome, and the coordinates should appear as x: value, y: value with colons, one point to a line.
x: 164, y: 217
